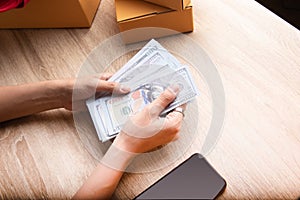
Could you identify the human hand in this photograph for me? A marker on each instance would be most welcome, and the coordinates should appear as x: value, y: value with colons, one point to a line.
x: 146, y: 130
x: 143, y: 132
x: 76, y: 91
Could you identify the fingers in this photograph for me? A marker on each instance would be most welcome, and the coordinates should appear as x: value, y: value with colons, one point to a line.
x: 112, y: 87
x: 176, y: 114
x: 172, y: 127
x: 174, y: 119
x: 173, y: 122
x: 164, y: 99
x: 105, y: 76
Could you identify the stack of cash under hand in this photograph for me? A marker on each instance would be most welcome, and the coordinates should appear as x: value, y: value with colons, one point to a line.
x: 147, y: 74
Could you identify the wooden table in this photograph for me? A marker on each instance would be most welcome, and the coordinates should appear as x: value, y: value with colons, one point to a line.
x: 257, y: 56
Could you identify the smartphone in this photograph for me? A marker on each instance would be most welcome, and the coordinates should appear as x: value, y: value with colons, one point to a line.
x: 195, y: 178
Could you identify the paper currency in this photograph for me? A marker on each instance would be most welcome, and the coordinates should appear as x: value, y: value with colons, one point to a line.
x: 148, y: 73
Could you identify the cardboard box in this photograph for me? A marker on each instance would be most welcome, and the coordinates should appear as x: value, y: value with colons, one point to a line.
x: 51, y: 14
x: 173, y: 4
x: 133, y: 14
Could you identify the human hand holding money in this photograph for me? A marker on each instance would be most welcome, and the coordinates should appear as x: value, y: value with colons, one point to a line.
x: 146, y: 130
x: 85, y: 87
x: 148, y: 74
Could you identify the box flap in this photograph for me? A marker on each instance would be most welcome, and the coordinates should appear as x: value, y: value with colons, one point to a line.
x: 172, y: 4
x: 130, y: 9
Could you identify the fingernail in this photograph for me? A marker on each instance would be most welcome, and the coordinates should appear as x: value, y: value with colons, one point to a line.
x: 174, y: 88
x: 124, y: 89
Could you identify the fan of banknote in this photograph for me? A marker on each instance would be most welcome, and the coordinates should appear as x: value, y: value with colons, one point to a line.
x: 148, y: 73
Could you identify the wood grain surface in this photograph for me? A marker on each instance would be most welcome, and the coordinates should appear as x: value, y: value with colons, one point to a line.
x: 257, y: 56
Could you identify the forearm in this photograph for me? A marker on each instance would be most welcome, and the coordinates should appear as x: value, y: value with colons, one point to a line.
x: 103, y: 181
x: 21, y: 100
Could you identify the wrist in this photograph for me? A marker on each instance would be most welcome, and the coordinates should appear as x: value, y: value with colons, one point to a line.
x: 117, y: 159
x: 125, y: 143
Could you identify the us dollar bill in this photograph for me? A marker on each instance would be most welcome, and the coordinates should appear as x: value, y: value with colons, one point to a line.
x: 149, y: 49
x: 148, y: 73
x: 117, y: 109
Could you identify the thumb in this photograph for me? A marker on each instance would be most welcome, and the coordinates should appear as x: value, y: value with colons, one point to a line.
x: 107, y: 86
x: 164, y: 99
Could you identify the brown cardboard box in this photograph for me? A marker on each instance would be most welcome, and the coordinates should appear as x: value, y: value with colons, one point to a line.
x: 133, y: 14
x: 173, y: 4
x: 51, y: 14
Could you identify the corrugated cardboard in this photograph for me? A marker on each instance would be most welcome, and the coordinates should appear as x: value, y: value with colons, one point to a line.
x: 51, y: 14
x: 173, y: 4
x: 133, y: 14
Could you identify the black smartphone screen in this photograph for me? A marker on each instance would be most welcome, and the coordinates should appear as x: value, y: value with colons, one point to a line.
x: 195, y: 178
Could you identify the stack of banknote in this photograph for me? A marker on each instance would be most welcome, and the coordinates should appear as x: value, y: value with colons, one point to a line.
x: 147, y: 74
